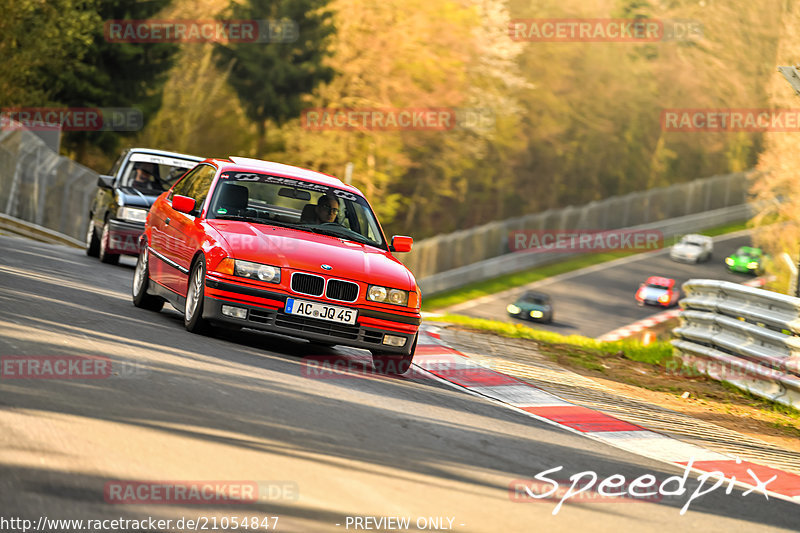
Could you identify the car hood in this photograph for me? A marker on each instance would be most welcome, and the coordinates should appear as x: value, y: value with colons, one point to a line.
x: 743, y: 258
x: 129, y: 196
x: 529, y: 306
x: 651, y: 293
x: 306, y: 251
x: 686, y: 249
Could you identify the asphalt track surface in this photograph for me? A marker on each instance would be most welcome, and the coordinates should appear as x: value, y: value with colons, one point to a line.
x: 599, y: 299
x: 238, y: 407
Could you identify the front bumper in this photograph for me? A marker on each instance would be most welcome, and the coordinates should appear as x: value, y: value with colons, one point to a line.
x: 268, y: 315
x: 685, y: 258
x: 123, y: 237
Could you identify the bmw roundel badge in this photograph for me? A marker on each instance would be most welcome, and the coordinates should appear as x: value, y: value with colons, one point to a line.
x: 326, y: 267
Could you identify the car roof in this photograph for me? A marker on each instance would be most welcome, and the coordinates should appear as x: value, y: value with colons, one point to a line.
x: 534, y: 294
x: 280, y: 169
x: 659, y: 280
x: 165, y: 153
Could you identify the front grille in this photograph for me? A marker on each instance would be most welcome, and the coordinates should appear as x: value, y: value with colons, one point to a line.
x: 373, y: 336
x: 344, y: 291
x: 261, y: 316
x: 321, y: 327
x: 307, y: 284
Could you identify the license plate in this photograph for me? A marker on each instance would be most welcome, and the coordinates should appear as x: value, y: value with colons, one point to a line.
x: 332, y: 313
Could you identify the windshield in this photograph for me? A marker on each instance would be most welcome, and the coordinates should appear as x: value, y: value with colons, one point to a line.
x: 536, y: 299
x: 153, y: 173
x: 290, y: 202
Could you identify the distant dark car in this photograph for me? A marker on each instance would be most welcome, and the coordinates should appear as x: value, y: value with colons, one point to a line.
x: 532, y: 305
x: 123, y: 198
x: 659, y: 291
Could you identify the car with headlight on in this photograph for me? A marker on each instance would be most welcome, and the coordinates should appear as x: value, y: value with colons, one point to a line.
x: 241, y: 242
x: 532, y: 305
x: 692, y: 248
x: 746, y: 259
x: 123, y: 197
x: 659, y: 291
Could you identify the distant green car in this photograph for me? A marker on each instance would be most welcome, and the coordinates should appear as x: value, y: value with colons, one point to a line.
x: 746, y: 259
x: 532, y: 305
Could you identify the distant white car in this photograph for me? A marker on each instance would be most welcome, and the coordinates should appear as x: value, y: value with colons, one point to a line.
x: 692, y: 248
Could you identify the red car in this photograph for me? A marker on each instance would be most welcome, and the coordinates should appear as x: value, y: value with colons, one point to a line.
x: 255, y: 244
x: 658, y: 291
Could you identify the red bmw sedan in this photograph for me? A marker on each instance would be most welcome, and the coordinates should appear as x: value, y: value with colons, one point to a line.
x: 256, y: 244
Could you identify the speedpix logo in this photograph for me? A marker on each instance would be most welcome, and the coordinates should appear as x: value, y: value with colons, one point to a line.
x: 588, y: 487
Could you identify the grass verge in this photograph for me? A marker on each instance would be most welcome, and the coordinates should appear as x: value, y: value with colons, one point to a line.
x: 587, y: 352
x: 501, y: 283
x: 653, y: 374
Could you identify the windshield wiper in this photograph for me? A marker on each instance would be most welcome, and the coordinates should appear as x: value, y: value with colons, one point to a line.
x: 334, y: 231
x: 254, y: 220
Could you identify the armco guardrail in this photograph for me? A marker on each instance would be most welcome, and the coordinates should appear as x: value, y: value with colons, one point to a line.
x: 516, y: 261
x: 41, y: 187
x: 746, y: 336
x: 433, y: 259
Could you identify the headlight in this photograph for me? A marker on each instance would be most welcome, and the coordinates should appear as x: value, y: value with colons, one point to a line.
x: 536, y: 314
x: 664, y: 298
x: 752, y: 264
x: 385, y: 295
x: 246, y: 269
x: 729, y: 261
x: 513, y: 309
x: 132, y: 214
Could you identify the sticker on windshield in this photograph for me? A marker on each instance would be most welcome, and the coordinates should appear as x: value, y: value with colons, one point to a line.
x: 162, y: 160
x: 280, y: 180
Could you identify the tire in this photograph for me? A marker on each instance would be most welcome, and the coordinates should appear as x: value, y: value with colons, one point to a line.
x: 92, y: 242
x: 141, y: 281
x: 105, y: 256
x: 195, y: 296
x: 394, y: 363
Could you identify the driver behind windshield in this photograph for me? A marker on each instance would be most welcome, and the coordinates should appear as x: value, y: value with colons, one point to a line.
x: 327, y: 209
x: 144, y: 176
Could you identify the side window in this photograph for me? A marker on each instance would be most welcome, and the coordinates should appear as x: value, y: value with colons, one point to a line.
x: 201, y: 185
x: 185, y: 184
x: 195, y: 184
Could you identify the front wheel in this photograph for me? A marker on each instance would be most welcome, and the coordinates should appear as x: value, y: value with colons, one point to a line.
x: 92, y: 242
x: 141, y: 280
x: 195, y: 295
x: 394, y: 363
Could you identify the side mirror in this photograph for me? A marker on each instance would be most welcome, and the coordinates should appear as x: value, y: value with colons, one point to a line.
x: 184, y: 204
x: 105, y: 182
x: 401, y: 243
